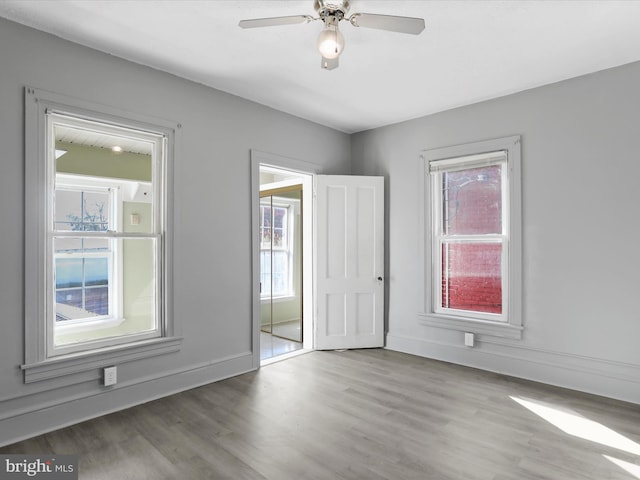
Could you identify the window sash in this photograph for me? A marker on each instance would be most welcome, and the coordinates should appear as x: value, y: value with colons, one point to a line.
x: 437, y: 169
x: 114, y: 234
x: 439, y: 274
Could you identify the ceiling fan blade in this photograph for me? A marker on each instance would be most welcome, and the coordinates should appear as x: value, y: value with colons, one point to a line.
x: 275, y: 21
x: 329, y: 63
x: 392, y: 23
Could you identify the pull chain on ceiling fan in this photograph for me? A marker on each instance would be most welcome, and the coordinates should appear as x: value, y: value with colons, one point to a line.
x: 331, y: 40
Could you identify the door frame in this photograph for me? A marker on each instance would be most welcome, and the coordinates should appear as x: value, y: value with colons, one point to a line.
x: 307, y: 171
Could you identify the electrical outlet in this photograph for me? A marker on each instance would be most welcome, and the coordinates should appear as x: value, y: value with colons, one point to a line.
x: 110, y: 376
x: 469, y: 339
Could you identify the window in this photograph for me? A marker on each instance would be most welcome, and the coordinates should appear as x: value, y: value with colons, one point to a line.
x: 472, y: 237
x: 276, y: 246
x: 86, y: 277
x: 98, y: 238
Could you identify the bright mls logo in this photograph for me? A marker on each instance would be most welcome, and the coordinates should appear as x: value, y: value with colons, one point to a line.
x: 52, y: 467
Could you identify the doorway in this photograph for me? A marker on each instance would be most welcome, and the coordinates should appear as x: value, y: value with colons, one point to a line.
x: 343, y: 265
x: 285, y: 262
x: 281, y: 256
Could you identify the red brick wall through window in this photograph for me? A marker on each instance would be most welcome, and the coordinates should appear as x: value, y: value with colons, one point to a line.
x: 472, y: 269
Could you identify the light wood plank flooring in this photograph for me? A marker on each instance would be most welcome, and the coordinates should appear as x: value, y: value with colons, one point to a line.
x: 368, y: 414
x: 272, y: 346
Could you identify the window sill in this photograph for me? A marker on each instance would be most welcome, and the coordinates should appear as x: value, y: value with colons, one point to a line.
x: 104, y: 357
x: 480, y: 327
x: 280, y: 298
x: 70, y: 327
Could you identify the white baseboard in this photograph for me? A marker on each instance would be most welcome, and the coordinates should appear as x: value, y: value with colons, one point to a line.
x: 56, y: 414
x: 611, y: 379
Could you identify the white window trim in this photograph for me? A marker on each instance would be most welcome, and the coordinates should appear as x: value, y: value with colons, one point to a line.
x: 53, y: 116
x: 502, y: 238
x: 38, y: 365
x: 509, y: 324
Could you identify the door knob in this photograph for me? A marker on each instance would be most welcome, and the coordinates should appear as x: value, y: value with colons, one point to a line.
x: 379, y: 279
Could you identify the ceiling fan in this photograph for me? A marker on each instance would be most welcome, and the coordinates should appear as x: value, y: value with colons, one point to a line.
x: 332, y: 12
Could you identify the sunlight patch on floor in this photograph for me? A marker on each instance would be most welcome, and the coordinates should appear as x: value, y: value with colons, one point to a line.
x: 575, y: 424
x: 632, y: 468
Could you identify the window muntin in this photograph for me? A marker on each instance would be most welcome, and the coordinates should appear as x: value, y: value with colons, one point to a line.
x: 470, y: 239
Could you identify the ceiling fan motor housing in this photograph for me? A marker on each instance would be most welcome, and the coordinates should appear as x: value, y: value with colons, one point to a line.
x: 331, y: 9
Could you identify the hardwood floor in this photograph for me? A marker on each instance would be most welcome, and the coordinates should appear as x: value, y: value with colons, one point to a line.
x: 367, y: 414
x: 272, y: 346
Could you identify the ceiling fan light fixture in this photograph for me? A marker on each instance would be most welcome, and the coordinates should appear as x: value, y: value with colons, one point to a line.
x: 331, y: 13
x: 330, y: 40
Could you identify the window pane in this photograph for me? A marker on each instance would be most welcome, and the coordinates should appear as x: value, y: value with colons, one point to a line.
x: 82, y: 278
x: 94, y: 245
x: 68, y: 272
x: 280, y: 227
x: 265, y: 222
x: 472, y: 201
x: 266, y: 213
x: 472, y: 277
x: 67, y: 245
x: 265, y: 272
x: 68, y: 209
x: 139, y: 284
x: 96, y: 300
x: 265, y: 236
x: 279, y: 284
x: 280, y: 273
x: 81, y: 211
x: 279, y: 215
x: 68, y: 302
x: 95, y: 211
x: 96, y: 271
x: 82, y: 288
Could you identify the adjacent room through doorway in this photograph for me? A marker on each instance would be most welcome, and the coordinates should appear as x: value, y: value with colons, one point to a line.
x: 282, y: 260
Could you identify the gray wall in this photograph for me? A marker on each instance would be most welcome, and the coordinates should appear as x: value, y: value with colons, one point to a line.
x: 581, y: 261
x: 212, y: 221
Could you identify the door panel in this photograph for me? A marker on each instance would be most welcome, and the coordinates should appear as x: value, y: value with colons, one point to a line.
x: 336, y: 320
x: 336, y: 266
x: 350, y: 261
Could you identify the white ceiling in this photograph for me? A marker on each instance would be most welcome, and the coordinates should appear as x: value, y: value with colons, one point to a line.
x: 470, y: 51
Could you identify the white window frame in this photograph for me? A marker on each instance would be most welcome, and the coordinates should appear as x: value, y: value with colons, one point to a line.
x: 432, y: 162
x: 41, y: 361
x: 289, y: 205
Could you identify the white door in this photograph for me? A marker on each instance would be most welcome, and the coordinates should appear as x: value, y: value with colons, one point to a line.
x: 349, y: 262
